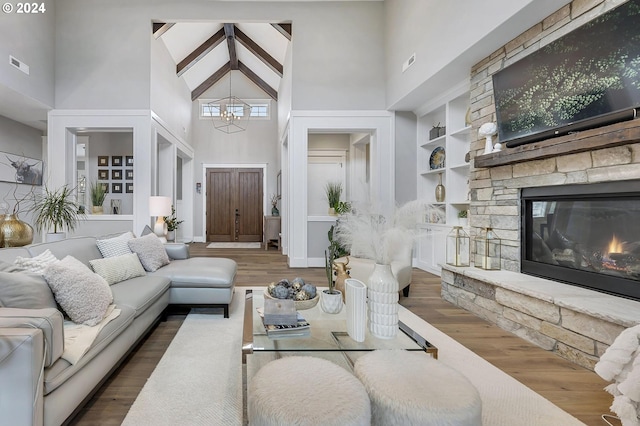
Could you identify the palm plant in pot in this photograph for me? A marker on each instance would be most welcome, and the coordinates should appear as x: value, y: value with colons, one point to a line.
x: 57, y: 210
x: 98, y: 194
x: 330, y: 299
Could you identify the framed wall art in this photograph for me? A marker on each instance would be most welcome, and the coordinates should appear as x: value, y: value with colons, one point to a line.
x: 105, y: 187
x: 116, y: 174
x: 128, y: 174
x: 129, y: 187
x: 20, y: 169
x: 103, y: 160
x: 116, y: 160
x: 128, y: 161
x: 116, y: 188
x: 103, y: 174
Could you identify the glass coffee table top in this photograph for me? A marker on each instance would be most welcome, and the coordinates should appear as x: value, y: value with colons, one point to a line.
x: 328, y: 333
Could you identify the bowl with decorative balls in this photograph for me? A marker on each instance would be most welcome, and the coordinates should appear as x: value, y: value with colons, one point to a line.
x: 302, y: 293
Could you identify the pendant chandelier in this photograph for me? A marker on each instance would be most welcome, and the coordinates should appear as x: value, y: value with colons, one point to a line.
x: 230, y: 114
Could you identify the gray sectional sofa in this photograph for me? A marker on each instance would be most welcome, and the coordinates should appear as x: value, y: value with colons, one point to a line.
x: 37, y: 386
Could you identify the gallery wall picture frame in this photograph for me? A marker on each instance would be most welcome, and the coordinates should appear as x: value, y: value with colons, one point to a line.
x: 116, y: 174
x: 128, y: 160
x: 103, y: 174
x: 116, y: 188
x: 128, y: 174
x: 20, y: 169
x: 129, y: 187
x: 116, y: 206
x: 103, y: 160
x: 105, y: 187
x: 116, y: 160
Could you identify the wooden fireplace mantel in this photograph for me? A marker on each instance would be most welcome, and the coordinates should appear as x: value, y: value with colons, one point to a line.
x: 623, y: 133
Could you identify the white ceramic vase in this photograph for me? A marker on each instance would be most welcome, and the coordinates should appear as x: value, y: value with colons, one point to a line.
x: 383, y: 302
x: 356, y: 306
x: 331, y: 303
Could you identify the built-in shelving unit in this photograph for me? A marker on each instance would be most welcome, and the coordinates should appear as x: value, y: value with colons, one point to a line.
x: 451, y: 111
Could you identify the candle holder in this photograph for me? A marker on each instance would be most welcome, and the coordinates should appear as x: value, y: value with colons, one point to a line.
x: 458, y: 247
x: 488, y: 246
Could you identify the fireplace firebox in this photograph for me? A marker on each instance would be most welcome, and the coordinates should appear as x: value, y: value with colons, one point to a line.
x: 585, y: 235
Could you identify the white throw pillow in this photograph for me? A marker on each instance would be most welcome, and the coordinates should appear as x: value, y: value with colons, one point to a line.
x: 84, y: 296
x: 119, y: 268
x: 151, y: 252
x: 116, y: 246
x: 36, y: 264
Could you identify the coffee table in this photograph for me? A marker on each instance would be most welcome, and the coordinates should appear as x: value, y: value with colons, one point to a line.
x: 328, y: 335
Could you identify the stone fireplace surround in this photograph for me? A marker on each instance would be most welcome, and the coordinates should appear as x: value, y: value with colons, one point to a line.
x: 577, y: 323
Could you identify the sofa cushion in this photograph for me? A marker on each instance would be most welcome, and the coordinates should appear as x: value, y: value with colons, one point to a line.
x: 36, y: 264
x: 82, y: 294
x: 209, y: 272
x: 82, y: 248
x: 150, y: 251
x: 24, y: 290
x: 118, y: 268
x: 139, y: 293
x: 117, y: 246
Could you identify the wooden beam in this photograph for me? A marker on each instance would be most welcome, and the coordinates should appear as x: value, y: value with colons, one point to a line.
x: 258, y: 81
x: 258, y: 51
x: 215, y: 77
x: 159, y: 28
x: 284, y: 29
x: 200, y: 52
x: 603, y: 137
x: 231, y: 44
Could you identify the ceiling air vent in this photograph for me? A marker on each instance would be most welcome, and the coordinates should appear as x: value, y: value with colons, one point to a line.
x: 20, y: 65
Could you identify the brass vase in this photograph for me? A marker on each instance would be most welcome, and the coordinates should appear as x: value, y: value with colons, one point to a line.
x: 440, y: 190
x: 15, y: 233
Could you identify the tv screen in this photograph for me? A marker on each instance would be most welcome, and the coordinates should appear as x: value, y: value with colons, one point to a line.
x: 587, y: 78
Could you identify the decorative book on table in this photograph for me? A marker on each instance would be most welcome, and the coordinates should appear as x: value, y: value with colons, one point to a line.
x: 300, y: 328
x: 280, y: 312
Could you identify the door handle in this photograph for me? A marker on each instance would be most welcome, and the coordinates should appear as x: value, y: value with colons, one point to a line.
x: 237, y: 213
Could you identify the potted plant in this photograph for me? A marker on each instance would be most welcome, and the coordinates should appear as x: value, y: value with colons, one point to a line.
x: 463, y: 217
x: 333, y: 190
x: 331, y: 299
x: 98, y: 194
x: 56, y: 210
x: 172, y: 224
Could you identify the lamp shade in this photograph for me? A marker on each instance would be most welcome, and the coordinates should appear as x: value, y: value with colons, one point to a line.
x: 159, y: 206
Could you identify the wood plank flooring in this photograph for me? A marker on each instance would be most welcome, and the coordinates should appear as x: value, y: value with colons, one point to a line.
x: 573, y: 388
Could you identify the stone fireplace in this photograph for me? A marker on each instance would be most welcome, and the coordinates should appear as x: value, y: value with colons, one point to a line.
x: 576, y: 322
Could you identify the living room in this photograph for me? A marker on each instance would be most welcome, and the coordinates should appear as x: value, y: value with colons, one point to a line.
x: 343, y: 74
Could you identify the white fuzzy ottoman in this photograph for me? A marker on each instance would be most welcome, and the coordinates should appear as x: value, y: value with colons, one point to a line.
x: 410, y: 388
x: 301, y: 390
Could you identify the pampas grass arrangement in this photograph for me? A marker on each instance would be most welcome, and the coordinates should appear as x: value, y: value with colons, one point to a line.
x: 367, y: 233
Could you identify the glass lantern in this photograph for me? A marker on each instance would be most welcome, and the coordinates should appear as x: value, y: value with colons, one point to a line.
x: 488, y: 250
x: 458, y: 247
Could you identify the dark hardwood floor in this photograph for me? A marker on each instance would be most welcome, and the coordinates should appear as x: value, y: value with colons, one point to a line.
x: 573, y: 388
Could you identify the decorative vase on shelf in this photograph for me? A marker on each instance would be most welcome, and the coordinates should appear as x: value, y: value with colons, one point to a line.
x: 440, y: 190
x: 331, y: 303
x: 356, y: 307
x: 97, y: 209
x: 171, y: 236
x: 383, y: 302
x: 15, y: 233
x: 275, y: 211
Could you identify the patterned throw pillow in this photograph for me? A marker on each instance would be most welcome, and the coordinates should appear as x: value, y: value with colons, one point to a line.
x: 84, y: 295
x: 37, y: 264
x: 151, y: 252
x: 119, y: 268
x: 116, y: 246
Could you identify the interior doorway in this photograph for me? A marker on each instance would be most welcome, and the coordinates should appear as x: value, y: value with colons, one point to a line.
x: 234, y: 204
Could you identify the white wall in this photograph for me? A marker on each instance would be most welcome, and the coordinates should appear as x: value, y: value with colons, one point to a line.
x: 406, y: 128
x: 448, y: 37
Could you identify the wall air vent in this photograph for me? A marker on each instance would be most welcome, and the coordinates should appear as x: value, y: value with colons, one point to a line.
x: 18, y: 64
x: 409, y: 62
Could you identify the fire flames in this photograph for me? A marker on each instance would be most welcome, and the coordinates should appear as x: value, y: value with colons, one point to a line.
x: 615, y: 246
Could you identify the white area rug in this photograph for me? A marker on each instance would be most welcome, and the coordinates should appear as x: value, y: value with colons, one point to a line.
x: 235, y: 245
x: 198, y: 381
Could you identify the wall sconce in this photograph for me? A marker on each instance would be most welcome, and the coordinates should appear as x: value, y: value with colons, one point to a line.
x: 488, y: 247
x: 160, y: 207
x: 458, y: 247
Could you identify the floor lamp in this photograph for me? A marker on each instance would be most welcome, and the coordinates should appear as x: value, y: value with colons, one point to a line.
x: 160, y: 207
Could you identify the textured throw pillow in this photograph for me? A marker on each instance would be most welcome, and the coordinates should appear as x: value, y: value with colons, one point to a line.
x: 37, y: 264
x: 116, y: 246
x: 82, y: 294
x: 25, y: 290
x: 119, y: 268
x: 150, y: 251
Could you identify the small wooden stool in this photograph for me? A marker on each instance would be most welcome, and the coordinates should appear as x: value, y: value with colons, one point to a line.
x: 410, y: 388
x: 301, y: 390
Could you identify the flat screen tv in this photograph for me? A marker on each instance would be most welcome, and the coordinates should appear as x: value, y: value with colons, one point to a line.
x: 585, y: 79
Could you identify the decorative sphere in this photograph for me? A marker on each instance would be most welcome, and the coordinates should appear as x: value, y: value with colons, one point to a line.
x: 297, y: 280
x: 281, y: 292
x: 310, y: 289
x: 302, y: 295
x: 284, y: 282
x: 271, y: 287
x: 296, y: 286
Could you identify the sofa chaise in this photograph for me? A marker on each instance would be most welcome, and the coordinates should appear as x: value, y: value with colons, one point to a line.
x: 40, y: 387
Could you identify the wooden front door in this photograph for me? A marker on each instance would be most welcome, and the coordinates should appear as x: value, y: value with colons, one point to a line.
x: 234, y: 205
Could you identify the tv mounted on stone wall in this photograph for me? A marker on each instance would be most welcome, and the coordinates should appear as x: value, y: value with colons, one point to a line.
x: 588, y: 78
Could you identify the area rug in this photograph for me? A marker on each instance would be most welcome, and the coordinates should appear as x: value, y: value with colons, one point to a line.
x: 235, y: 245
x: 198, y: 381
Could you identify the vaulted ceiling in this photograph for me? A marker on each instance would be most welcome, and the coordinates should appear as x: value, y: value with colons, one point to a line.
x: 204, y: 52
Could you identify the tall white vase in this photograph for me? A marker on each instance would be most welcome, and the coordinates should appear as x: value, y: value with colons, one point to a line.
x: 383, y: 302
x: 356, y: 305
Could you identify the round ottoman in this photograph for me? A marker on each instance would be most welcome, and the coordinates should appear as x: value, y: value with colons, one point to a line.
x: 300, y: 390
x: 410, y: 388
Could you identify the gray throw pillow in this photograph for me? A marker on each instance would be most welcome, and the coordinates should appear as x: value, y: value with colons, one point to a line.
x: 84, y: 295
x: 151, y: 252
x: 25, y: 290
x: 119, y: 268
x: 117, y: 246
